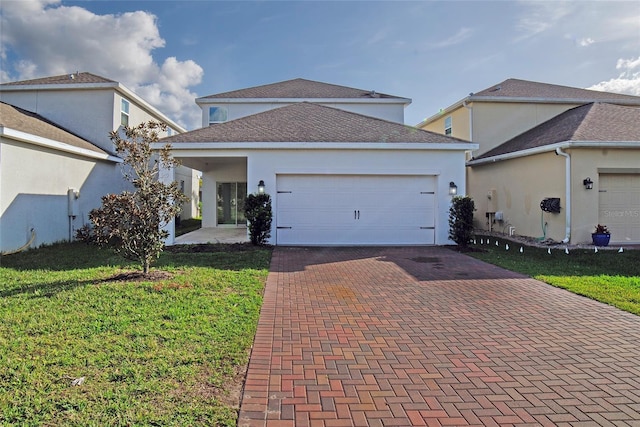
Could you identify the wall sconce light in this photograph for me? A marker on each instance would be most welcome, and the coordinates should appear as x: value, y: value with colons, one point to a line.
x: 261, y: 187
x: 588, y: 184
x: 453, y: 188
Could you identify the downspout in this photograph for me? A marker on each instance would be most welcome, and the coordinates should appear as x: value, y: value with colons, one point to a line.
x: 464, y: 104
x: 567, y: 178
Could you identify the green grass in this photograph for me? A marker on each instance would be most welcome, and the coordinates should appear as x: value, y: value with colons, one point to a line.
x: 606, y: 276
x: 151, y: 353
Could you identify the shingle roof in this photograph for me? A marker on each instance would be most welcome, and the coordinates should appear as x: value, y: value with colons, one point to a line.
x: 75, y: 78
x: 300, y: 89
x: 25, y: 121
x: 514, y: 88
x: 594, y: 122
x: 309, y: 122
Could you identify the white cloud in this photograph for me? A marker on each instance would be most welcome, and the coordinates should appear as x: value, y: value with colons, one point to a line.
x: 628, y: 81
x: 459, y: 37
x: 586, y: 42
x: 48, y: 38
x: 540, y: 16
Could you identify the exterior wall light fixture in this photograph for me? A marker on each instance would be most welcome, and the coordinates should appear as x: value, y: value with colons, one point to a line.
x: 261, y: 187
x: 588, y: 184
x: 453, y: 188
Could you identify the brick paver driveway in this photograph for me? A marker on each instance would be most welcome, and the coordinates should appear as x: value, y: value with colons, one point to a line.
x: 426, y: 336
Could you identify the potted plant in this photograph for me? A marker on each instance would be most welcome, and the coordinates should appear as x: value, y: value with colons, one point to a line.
x: 601, y: 236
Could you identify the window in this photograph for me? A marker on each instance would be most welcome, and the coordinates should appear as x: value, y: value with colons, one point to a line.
x: 124, y: 112
x: 447, y: 126
x: 217, y: 114
x: 169, y: 131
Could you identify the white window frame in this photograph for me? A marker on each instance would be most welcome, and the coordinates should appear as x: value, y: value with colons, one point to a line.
x: 448, y: 125
x: 124, y: 112
x: 224, y: 112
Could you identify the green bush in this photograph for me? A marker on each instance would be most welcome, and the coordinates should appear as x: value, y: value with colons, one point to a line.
x: 461, y: 220
x: 257, y: 210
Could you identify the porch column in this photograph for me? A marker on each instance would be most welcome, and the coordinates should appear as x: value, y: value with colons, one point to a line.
x: 166, y: 176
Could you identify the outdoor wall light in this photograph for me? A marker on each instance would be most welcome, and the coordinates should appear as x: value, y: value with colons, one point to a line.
x: 588, y: 184
x: 453, y: 188
x: 261, y: 187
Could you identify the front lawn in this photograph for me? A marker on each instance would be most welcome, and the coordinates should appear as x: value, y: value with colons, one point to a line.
x: 606, y: 276
x: 79, y: 348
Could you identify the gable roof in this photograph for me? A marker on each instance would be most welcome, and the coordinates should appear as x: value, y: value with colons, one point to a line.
x: 29, y: 124
x: 300, y: 89
x: 74, y: 78
x: 595, y: 122
x: 309, y: 122
x: 515, y: 89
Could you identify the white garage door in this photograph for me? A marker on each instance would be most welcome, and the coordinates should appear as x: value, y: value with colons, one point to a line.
x: 620, y: 206
x: 355, y: 210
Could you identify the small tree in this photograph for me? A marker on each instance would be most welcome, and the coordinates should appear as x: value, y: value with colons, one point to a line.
x: 257, y: 209
x: 461, y: 220
x: 131, y: 223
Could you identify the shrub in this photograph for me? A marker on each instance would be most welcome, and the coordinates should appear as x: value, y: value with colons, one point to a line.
x: 461, y: 220
x: 257, y: 209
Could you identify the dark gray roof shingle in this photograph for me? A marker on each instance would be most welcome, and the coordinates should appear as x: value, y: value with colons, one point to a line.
x: 594, y: 122
x: 309, y: 122
x: 25, y: 121
x: 300, y: 89
x: 514, y: 88
x: 74, y: 78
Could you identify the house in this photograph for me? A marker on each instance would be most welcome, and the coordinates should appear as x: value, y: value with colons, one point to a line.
x: 339, y: 163
x: 503, y: 111
x: 83, y: 105
x: 49, y: 177
x: 542, y: 145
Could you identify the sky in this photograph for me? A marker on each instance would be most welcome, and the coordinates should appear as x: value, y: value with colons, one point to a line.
x: 434, y: 52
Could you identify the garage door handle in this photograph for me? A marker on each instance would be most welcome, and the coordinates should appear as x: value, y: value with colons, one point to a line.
x: 356, y: 214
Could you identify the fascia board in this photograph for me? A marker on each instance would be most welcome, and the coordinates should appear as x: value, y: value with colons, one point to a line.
x: 55, y: 145
x: 552, y: 147
x: 535, y: 100
x: 317, y: 146
x: 443, y: 112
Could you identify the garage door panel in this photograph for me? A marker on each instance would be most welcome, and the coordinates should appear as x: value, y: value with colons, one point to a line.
x: 349, y: 209
x: 619, y: 206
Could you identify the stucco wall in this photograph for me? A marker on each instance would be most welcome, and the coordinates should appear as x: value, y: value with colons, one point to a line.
x: 520, y: 186
x: 459, y: 124
x: 266, y: 164
x: 33, y: 192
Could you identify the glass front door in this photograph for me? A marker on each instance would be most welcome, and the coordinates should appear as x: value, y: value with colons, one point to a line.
x: 231, y: 197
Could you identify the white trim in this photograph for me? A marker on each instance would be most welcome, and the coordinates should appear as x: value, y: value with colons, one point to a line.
x: 179, y: 146
x: 553, y: 147
x: 55, y: 145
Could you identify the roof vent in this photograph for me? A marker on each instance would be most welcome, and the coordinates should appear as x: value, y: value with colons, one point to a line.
x: 497, y: 88
x: 373, y: 94
x: 71, y: 76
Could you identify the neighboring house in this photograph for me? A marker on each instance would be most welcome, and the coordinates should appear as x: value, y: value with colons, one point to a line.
x: 340, y: 165
x: 497, y: 114
x: 587, y: 157
x: 89, y: 107
x: 518, y: 125
x: 49, y: 178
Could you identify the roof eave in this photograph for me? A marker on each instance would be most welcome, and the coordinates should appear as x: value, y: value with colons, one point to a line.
x: 21, y: 136
x: 177, y: 146
x: 552, y: 147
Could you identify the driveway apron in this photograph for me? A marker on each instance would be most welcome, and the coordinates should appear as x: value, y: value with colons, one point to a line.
x: 428, y: 336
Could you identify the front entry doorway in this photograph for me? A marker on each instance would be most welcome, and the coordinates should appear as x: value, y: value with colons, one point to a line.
x: 230, y: 204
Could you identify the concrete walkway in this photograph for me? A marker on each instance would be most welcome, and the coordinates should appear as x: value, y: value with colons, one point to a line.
x: 426, y: 336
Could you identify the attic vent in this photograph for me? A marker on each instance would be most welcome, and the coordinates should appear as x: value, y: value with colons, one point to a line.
x: 71, y: 76
x: 497, y: 88
x: 373, y: 94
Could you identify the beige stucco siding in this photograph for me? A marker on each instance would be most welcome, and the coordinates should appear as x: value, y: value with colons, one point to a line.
x: 520, y: 186
x: 495, y: 123
x: 591, y: 163
x: 459, y: 124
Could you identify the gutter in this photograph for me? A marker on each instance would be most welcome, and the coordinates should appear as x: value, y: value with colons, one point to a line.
x: 552, y: 147
x: 567, y: 178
